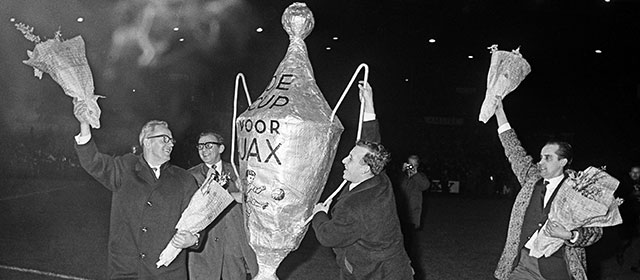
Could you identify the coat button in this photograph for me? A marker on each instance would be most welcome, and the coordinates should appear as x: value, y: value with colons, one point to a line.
x: 539, y: 224
x: 142, y: 255
x: 149, y: 203
x: 144, y: 229
x: 216, y: 239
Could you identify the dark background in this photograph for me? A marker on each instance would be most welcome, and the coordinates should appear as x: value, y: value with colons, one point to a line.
x: 572, y: 93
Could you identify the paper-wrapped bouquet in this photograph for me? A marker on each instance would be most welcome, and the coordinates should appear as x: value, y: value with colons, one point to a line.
x: 66, y: 62
x: 206, y: 204
x: 585, y: 199
x: 506, y: 72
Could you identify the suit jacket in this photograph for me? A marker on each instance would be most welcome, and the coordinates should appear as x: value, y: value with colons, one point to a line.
x: 225, y: 239
x: 364, y: 230
x: 528, y: 175
x: 144, y: 211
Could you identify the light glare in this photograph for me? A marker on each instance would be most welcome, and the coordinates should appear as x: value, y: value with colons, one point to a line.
x: 432, y: 41
x: 259, y: 29
x: 176, y: 29
x: 598, y: 51
x: 335, y: 38
x: 80, y: 19
x: 470, y: 57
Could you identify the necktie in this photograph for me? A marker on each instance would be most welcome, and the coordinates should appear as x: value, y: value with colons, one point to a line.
x: 543, y: 191
x: 216, y: 175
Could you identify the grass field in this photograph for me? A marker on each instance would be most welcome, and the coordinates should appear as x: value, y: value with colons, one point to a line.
x: 58, y: 229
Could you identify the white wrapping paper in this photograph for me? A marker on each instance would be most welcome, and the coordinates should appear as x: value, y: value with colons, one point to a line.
x: 506, y: 72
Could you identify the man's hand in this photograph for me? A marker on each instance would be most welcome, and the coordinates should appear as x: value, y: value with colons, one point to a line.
x: 555, y: 229
x: 410, y: 169
x: 183, y: 239
x: 79, y: 112
x: 500, y: 114
x: 321, y: 207
x: 366, y: 97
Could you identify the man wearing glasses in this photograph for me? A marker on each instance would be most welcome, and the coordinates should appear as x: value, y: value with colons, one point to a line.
x: 225, y: 252
x: 149, y: 195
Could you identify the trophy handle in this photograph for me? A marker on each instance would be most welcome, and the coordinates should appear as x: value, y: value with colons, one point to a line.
x: 344, y: 93
x: 239, y: 77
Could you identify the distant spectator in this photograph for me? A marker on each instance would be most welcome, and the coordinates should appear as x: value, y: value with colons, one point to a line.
x: 413, y: 183
x: 629, y: 231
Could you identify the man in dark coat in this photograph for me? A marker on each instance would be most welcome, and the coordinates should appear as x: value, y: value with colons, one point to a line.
x: 629, y: 230
x: 413, y: 183
x: 364, y: 230
x: 224, y: 253
x: 149, y: 195
x: 540, y: 183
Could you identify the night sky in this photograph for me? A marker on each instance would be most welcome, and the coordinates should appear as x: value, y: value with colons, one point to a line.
x: 591, y: 99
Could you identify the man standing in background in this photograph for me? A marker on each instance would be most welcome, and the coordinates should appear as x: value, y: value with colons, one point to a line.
x: 225, y: 253
x: 413, y: 183
x: 629, y: 230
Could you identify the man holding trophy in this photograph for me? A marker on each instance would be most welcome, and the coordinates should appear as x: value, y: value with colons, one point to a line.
x: 363, y: 227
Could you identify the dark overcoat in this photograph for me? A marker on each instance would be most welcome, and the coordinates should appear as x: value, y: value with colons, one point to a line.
x: 411, y: 189
x: 364, y: 230
x: 144, y: 211
x: 225, y: 252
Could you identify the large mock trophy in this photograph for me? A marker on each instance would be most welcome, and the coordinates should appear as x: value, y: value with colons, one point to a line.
x: 286, y: 146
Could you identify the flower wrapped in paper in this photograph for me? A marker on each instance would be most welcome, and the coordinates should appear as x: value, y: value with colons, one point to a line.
x: 66, y: 63
x: 585, y: 199
x: 205, y: 205
x: 506, y: 72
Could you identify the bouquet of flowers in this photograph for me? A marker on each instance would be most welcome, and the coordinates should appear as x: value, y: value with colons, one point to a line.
x: 506, y: 72
x: 205, y: 205
x: 585, y: 199
x: 67, y: 64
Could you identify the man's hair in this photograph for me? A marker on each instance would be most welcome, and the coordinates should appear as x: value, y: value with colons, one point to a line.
x: 250, y: 172
x: 564, y: 151
x: 149, y: 127
x: 212, y: 133
x: 377, y: 157
x: 414, y: 157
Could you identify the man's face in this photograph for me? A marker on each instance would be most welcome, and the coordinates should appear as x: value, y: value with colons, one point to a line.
x: 210, y: 155
x: 550, y: 164
x: 354, y: 167
x: 158, y: 145
x: 635, y: 173
x: 413, y: 162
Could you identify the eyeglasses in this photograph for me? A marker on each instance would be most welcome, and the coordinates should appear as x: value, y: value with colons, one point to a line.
x: 165, y: 138
x: 208, y: 145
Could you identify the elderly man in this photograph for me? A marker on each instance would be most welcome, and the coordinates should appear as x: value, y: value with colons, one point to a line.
x: 363, y: 228
x: 149, y: 195
x: 225, y: 252
x: 540, y: 183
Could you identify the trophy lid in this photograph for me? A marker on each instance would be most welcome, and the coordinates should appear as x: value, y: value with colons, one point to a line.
x: 297, y: 20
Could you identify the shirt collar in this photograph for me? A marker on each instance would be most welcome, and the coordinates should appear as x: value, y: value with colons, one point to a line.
x: 218, y: 165
x: 554, y: 182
